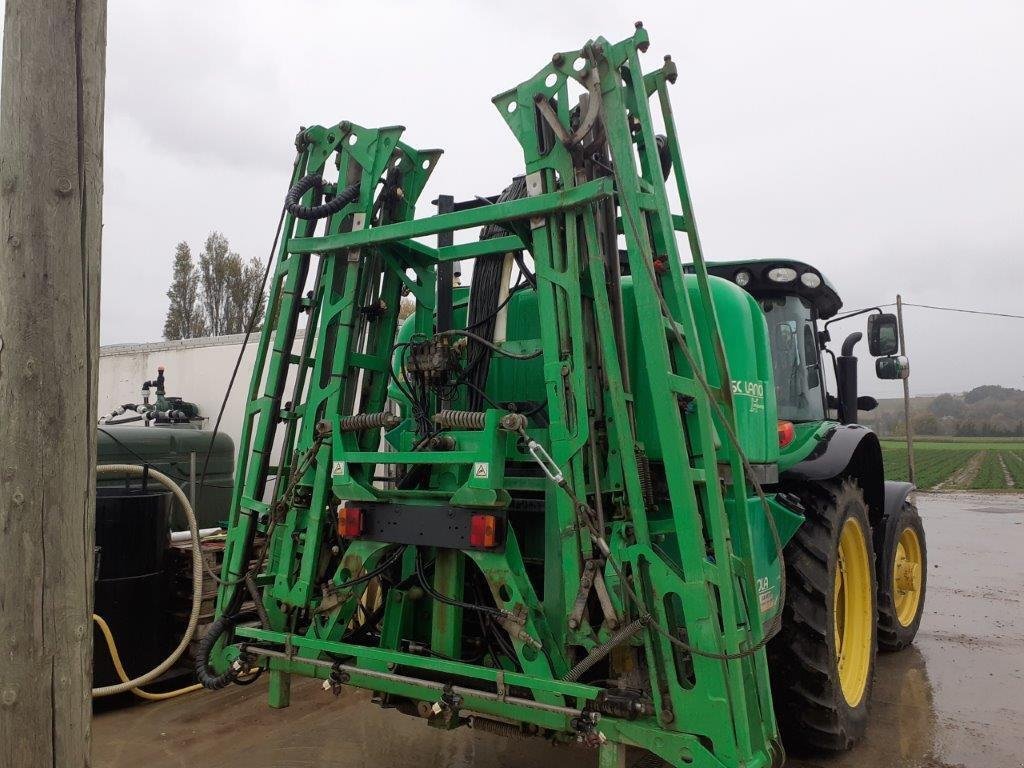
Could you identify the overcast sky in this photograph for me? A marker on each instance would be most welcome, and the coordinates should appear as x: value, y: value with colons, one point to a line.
x: 878, y: 140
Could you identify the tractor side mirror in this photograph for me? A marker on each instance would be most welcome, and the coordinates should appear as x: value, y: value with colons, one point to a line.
x: 892, y: 367
x: 866, y: 403
x: 883, y: 335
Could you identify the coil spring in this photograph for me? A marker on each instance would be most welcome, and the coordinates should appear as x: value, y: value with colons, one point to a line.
x: 448, y: 419
x: 605, y: 648
x: 497, y: 727
x: 362, y: 421
x: 643, y: 468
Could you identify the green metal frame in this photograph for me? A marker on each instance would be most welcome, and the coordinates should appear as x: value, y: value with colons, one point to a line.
x: 689, y: 557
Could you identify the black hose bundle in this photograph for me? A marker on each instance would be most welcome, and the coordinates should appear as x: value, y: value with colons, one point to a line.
x: 216, y: 629
x: 484, y: 292
x: 314, y: 212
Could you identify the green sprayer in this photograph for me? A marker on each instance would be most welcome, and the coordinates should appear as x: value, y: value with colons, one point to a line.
x: 596, y: 495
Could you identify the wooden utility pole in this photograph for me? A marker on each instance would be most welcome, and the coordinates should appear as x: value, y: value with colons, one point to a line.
x: 906, y: 394
x: 51, y: 186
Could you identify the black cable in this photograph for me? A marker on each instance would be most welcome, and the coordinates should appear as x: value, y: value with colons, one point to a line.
x: 964, y: 311
x: 141, y: 459
x: 429, y: 589
x: 392, y: 558
x: 250, y: 327
x: 512, y: 292
x: 489, y: 344
x: 944, y: 309
x: 483, y: 300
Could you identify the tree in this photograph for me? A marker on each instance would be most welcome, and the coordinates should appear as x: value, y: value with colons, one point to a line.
x: 184, y: 315
x: 407, y: 307
x: 925, y: 424
x: 245, y: 287
x: 216, y: 265
x: 946, y: 405
x: 222, y: 295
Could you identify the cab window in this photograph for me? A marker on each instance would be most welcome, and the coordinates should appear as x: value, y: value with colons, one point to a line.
x: 795, y: 361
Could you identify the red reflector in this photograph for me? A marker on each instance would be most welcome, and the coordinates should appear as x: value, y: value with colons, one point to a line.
x: 483, y: 531
x: 786, y: 433
x: 350, y: 522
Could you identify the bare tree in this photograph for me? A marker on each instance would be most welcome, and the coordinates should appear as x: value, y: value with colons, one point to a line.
x: 407, y: 306
x: 245, y: 289
x: 216, y: 264
x: 231, y: 291
x: 185, y: 318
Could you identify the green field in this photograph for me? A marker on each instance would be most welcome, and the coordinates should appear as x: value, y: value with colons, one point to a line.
x: 948, y: 464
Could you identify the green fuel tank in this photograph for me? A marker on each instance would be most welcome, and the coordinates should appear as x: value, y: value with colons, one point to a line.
x: 174, y: 451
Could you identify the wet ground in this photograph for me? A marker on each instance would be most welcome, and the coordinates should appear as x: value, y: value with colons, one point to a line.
x: 953, y: 700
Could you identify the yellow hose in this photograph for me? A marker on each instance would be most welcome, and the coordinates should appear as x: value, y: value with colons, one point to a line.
x: 116, y: 657
x: 133, y: 470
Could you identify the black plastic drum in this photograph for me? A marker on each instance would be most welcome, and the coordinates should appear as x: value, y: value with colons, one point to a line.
x: 132, y: 529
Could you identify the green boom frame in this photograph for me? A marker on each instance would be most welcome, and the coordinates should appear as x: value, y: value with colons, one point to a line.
x: 689, y: 558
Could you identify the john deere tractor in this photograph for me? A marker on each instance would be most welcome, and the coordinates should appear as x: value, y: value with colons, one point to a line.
x: 593, y: 497
x: 854, y: 518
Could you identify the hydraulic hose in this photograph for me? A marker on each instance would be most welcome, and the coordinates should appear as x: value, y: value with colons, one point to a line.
x: 208, y: 681
x: 312, y: 213
x: 119, y: 668
x: 136, y: 470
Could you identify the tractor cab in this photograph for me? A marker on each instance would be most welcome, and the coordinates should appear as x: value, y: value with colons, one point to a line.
x: 799, y: 304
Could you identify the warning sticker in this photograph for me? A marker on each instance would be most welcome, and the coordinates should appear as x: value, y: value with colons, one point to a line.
x: 482, y: 470
x: 765, y: 595
x: 338, y: 469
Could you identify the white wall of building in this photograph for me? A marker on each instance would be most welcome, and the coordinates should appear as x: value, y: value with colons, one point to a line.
x: 197, y: 370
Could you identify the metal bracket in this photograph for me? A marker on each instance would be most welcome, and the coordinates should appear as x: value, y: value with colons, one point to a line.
x: 535, y: 187
x: 586, y: 584
x: 358, y: 223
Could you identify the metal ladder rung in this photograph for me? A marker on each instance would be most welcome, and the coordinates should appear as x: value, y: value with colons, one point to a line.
x: 254, y: 505
x: 367, y: 362
x: 682, y: 385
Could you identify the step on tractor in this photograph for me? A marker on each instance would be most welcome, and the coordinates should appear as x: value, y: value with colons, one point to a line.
x: 595, y: 496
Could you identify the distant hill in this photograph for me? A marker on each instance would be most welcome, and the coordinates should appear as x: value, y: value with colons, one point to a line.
x: 986, y: 411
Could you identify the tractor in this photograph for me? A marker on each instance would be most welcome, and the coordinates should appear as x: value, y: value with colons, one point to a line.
x: 835, y: 467
x: 594, y: 496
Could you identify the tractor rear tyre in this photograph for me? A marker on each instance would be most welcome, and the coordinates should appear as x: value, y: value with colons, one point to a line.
x: 902, y: 577
x: 823, y: 659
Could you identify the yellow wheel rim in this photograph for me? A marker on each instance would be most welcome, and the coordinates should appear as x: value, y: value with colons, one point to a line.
x: 906, y: 576
x: 853, y: 612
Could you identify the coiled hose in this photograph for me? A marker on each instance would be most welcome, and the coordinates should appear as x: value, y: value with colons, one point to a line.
x: 135, y: 470
x: 208, y: 681
x: 314, y: 212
